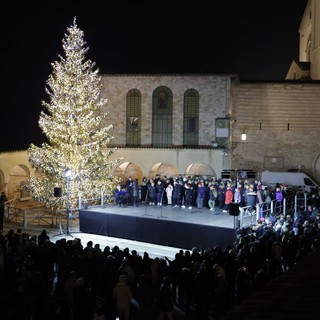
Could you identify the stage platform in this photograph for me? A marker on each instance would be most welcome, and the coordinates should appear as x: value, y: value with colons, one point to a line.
x: 165, y: 225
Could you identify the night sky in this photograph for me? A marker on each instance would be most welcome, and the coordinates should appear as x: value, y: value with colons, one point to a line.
x: 255, y: 39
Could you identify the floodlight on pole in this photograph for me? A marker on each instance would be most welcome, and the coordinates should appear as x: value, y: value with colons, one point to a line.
x: 67, y: 173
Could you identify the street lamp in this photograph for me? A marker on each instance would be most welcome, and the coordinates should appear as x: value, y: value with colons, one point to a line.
x: 67, y: 175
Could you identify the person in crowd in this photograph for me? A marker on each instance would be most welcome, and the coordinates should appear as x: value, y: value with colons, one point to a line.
x: 135, y: 192
x: 188, y: 197
x: 152, y: 194
x: 82, y: 300
x: 183, y: 184
x: 237, y: 195
x: 69, y: 285
x: 220, y: 289
x: 165, y: 301
x: 260, y: 200
x: 43, y: 237
x: 159, y: 192
x: 315, y: 198
x: 176, y: 194
x: 228, y: 199
x: 203, y: 292
x: 267, y: 195
x: 122, y: 295
x: 166, y: 181
x: 129, y: 187
x: 201, y: 192
x: 251, y: 197
x: 145, y: 296
x: 144, y: 189
x: 279, y: 200
x: 221, y: 195
x: 212, y: 197
x: 169, y: 191
x: 118, y: 195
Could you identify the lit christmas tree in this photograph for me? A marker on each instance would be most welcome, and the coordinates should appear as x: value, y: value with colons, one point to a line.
x: 76, y: 130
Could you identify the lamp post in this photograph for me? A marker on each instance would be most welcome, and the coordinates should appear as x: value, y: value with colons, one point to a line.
x: 67, y: 175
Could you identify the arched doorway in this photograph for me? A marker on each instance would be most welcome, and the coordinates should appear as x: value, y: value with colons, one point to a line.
x: 128, y: 169
x: 18, y: 181
x: 200, y: 169
x: 163, y: 169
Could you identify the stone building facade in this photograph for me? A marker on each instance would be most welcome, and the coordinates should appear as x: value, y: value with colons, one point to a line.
x: 282, y: 124
x: 280, y: 120
x: 192, y: 124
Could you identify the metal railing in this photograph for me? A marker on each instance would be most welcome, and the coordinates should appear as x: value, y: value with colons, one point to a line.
x: 248, y: 215
x: 39, y: 215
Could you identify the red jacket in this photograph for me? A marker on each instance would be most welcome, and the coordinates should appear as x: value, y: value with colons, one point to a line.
x: 229, y: 196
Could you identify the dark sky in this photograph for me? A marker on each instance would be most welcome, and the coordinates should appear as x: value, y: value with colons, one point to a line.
x: 257, y: 40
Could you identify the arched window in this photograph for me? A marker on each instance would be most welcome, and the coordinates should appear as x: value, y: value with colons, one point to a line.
x: 191, y: 118
x: 162, y: 117
x: 133, y: 130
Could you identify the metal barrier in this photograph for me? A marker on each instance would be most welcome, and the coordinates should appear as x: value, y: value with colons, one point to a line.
x: 39, y: 215
x: 14, y: 215
x: 290, y: 205
x: 300, y: 202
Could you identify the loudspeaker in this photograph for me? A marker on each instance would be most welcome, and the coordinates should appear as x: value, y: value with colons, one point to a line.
x: 57, y: 192
x: 234, y: 209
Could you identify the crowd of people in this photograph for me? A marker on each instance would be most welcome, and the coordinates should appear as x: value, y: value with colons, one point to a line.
x: 202, y: 192
x: 42, y: 279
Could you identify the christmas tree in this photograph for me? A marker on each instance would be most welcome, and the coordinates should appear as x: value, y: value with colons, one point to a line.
x: 76, y: 157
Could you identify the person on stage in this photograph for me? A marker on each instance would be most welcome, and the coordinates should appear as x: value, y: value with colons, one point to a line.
x: 136, y: 193
x: 152, y: 194
x: 188, y: 197
x: 117, y: 191
x: 169, y: 191
x: 212, y: 197
x: 159, y: 192
x: 144, y: 189
x: 129, y: 187
x: 176, y: 194
x: 201, y: 192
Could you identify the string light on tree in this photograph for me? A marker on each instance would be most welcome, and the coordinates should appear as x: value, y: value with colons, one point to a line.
x: 75, y: 128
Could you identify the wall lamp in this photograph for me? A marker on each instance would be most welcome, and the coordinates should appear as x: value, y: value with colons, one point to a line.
x: 243, y: 136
